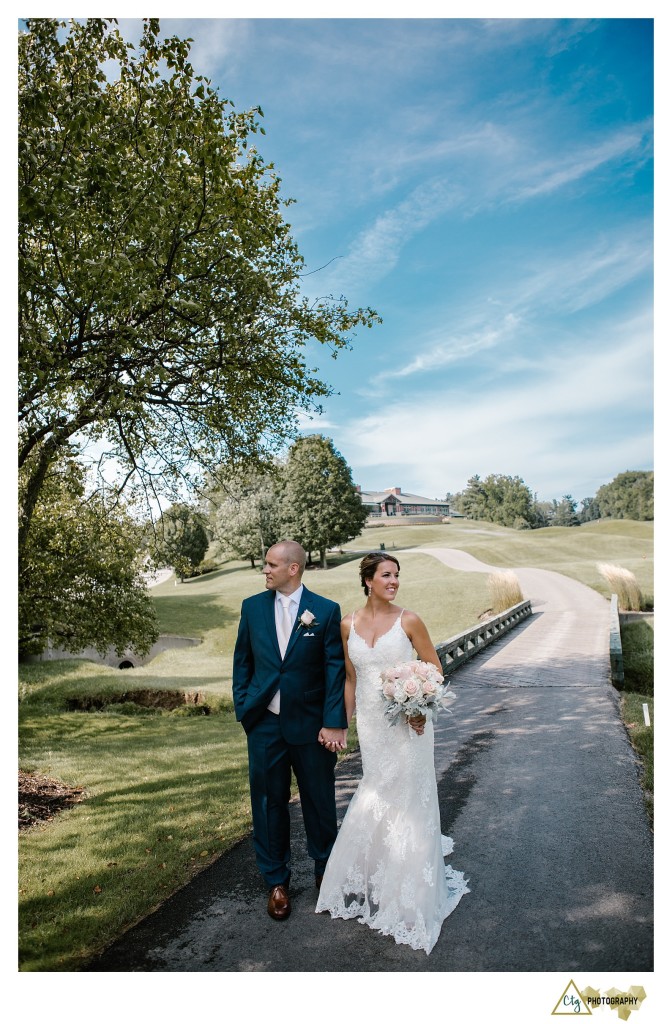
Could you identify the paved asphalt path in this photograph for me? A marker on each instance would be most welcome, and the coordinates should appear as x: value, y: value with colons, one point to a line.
x: 538, y: 786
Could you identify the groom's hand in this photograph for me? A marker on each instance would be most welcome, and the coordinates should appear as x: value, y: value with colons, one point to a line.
x: 333, y: 739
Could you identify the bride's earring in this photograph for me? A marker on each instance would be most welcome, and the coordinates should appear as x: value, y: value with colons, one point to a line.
x: 369, y: 589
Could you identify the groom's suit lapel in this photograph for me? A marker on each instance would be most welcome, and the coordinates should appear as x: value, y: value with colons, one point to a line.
x: 269, y: 616
x: 305, y: 602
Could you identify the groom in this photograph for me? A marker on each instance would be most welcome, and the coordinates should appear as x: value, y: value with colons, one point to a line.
x: 288, y: 684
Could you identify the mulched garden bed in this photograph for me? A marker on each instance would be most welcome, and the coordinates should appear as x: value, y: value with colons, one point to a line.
x: 41, y: 798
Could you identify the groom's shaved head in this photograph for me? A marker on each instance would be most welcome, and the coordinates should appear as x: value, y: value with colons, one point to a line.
x: 291, y: 552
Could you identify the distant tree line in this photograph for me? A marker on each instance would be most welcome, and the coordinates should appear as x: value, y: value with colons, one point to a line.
x: 507, y: 500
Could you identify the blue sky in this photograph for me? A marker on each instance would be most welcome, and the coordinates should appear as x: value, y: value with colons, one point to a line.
x: 487, y: 186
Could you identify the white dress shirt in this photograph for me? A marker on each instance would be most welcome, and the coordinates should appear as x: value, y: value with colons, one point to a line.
x: 293, y: 599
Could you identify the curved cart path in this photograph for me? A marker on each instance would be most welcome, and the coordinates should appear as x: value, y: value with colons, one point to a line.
x: 538, y: 786
x: 566, y: 643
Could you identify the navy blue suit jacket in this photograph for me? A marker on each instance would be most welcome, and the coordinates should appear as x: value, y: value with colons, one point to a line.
x: 311, y: 678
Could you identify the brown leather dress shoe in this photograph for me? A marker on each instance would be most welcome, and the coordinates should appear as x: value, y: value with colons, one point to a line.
x: 279, y: 906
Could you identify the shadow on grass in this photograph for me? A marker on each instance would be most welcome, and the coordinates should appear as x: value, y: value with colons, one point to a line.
x: 191, y: 614
x: 172, y: 797
x: 216, y: 574
x: 341, y: 558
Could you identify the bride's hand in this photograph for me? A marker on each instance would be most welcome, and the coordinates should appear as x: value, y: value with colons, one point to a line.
x: 417, y: 724
x: 333, y: 739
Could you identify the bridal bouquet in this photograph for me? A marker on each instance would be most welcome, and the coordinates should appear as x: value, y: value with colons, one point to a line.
x: 414, y: 688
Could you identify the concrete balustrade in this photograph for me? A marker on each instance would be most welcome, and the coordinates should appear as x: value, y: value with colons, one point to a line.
x: 454, y: 652
x: 615, y: 645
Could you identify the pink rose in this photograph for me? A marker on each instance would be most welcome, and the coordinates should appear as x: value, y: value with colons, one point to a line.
x: 429, y: 687
x: 388, y: 689
x: 411, y: 687
x: 307, y: 617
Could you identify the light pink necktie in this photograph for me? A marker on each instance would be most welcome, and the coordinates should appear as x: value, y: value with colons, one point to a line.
x: 285, y: 624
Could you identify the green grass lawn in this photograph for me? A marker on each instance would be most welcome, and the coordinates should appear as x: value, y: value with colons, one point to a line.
x: 209, y: 607
x: 638, y: 667
x: 575, y: 551
x: 637, y: 643
x: 641, y: 737
x: 166, y: 792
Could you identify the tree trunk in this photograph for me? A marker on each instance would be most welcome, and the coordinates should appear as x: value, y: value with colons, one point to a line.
x: 31, y: 495
x: 323, y: 558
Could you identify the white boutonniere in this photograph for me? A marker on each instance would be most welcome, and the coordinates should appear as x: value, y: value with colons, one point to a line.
x: 306, y: 619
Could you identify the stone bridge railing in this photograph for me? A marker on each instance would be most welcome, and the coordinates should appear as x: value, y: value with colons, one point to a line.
x: 615, y: 645
x: 454, y: 652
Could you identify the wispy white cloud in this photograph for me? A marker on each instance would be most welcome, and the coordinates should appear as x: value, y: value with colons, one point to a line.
x: 523, y: 303
x: 312, y: 423
x: 562, y: 169
x: 589, y: 274
x: 452, y: 348
x: 484, y: 168
x: 557, y: 428
x: 376, y: 250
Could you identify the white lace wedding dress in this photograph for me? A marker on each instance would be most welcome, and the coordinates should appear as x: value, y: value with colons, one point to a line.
x: 387, y: 867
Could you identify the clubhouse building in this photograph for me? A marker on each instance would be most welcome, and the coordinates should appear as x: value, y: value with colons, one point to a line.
x: 395, y: 503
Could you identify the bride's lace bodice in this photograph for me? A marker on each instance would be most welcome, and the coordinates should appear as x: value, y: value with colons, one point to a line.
x: 389, y: 749
x: 387, y: 865
x: 390, y: 647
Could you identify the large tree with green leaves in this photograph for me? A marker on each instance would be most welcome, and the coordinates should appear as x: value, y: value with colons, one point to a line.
x: 181, y: 540
x: 320, y: 505
x: 628, y: 496
x: 82, y: 582
x: 590, y: 510
x: 160, y: 309
x: 564, y: 512
x: 498, y: 499
x: 243, y: 513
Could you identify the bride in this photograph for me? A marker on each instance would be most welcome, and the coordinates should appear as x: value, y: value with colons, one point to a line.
x: 387, y: 866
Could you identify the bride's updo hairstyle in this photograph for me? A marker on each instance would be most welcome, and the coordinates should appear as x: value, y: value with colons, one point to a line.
x: 369, y: 564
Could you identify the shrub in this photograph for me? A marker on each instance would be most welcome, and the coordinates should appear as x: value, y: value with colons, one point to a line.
x: 202, y: 569
x: 624, y: 585
x: 504, y: 590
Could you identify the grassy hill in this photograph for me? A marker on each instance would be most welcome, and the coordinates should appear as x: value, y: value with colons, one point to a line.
x: 448, y: 600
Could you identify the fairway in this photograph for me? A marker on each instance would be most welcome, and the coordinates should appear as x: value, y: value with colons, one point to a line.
x: 448, y: 600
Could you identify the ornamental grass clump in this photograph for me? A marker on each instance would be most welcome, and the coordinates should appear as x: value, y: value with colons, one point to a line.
x: 504, y: 588
x: 624, y: 585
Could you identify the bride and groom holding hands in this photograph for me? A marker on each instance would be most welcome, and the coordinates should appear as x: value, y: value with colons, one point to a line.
x: 299, y: 671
